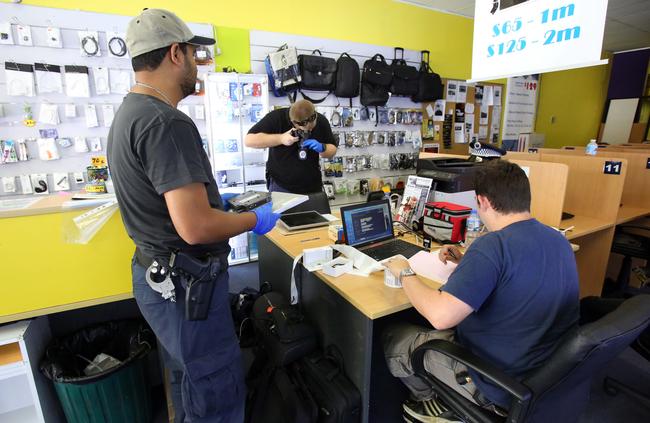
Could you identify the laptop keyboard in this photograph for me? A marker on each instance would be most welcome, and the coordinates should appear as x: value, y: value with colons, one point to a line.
x: 393, y: 248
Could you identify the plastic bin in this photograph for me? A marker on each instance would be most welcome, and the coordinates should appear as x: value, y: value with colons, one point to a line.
x: 116, y: 395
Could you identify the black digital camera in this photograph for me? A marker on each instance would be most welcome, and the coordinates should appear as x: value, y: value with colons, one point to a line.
x: 301, y: 134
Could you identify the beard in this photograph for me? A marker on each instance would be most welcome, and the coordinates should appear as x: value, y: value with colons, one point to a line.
x: 188, y: 85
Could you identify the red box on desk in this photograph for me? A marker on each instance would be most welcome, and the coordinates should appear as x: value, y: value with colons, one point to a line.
x: 445, y: 221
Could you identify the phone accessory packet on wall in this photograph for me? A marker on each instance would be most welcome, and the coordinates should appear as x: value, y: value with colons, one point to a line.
x: 91, y: 116
x: 49, y: 114
x: 89, y: 43
x: 95, y: 144
x: 39, y: 182
x: 109, y: 113
x: 53, y: 37
x: 100, y: 78
x: 77, y: 82
x: 8, y: 152
x: 9, y: 184
x: 80, y: 145
x: 61, y: 181
x: 116, y: 45
x: 6, y: 35
x: 70, y: 110
x: 20, y: 79
x: 48, y: 78
x: 25, y: 184
x: 24, y: 35
x: 47, y: 149
x: 120, y: 81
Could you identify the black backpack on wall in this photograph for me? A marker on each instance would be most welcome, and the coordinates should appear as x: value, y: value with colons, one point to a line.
x: 429, y: 84
x: 348, y: 77
x: 375, y: 81
x: 405, y: 77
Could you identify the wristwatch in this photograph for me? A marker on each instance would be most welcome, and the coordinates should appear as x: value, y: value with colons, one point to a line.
x: 406, y: 272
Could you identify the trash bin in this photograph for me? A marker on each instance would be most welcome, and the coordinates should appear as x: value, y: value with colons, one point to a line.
x: 99, y: 373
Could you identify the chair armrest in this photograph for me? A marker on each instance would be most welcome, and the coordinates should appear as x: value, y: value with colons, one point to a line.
x: 464, y: 356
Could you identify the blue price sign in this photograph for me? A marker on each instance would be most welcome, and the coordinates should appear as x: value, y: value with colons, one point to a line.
x: 613, y: 168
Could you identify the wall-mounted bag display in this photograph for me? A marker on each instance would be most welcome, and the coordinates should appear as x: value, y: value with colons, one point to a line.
x: 318, y: 73
x: 405, y: 77
x: 375, y: 81
x: 348, y: 77
x: 283, y: 72
x: 429, y: 84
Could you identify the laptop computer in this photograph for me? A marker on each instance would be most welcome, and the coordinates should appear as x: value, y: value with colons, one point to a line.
x: 369, y: 228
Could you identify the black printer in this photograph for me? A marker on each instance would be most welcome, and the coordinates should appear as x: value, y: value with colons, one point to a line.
x: 449, y: 174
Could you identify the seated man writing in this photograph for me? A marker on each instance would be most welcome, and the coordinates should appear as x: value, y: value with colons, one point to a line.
x: 511, y: 298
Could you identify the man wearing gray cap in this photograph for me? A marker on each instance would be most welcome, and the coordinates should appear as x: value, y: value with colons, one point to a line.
x: 171, y: 208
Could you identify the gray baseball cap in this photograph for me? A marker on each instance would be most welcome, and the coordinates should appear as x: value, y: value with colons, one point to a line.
x: 158, y: 28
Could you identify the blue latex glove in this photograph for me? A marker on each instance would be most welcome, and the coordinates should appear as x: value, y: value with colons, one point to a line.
x: 265, y: 219
x: 312, y: 144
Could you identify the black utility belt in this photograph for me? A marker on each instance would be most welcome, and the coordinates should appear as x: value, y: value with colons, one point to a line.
x: 196, y: 275
x: 146, y: 260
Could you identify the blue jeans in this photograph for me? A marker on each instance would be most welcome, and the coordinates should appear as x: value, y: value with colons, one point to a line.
x: 206, y: 351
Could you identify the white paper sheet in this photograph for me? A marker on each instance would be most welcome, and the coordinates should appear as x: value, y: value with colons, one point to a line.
x: 429, y: 266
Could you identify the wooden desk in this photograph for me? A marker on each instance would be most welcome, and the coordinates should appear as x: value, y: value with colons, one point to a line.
x: 630, y: 213
x: 350, y: 312
x: 368, y: 294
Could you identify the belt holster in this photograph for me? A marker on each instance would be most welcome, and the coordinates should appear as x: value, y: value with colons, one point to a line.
x: 196, y: 275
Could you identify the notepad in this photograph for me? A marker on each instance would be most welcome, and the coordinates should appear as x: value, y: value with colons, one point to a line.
x: 429, y: 266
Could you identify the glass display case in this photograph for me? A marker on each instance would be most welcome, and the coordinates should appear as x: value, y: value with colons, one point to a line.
x: 234, y: 103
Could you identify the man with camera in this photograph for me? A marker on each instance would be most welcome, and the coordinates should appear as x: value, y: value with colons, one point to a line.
x: 296, y: 137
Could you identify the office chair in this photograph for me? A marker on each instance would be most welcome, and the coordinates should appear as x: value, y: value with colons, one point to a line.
x: 629, y: 243
x: 592, y: 308
x: 557, y: 391
x: 317, y: 201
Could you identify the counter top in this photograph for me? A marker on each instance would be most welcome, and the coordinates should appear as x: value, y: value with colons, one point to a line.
x: 35, y: 205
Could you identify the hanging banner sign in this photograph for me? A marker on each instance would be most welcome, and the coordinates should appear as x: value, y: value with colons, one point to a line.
x: 523, y: 37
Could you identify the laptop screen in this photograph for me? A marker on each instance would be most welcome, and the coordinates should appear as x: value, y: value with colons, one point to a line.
x: 366, y: 223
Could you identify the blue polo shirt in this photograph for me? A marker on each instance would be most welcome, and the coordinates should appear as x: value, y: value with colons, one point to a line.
x: 522, y: 283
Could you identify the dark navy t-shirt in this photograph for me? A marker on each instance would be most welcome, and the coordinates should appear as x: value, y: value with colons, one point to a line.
x: 522, y: 283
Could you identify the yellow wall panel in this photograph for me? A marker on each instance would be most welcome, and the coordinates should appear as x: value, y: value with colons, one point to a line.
x: 571, y: 104
x: 380, y: 22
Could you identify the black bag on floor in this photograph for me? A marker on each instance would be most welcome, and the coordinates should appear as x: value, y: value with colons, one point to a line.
x: 405, y: 77
x: 429, y: 83
x: 348, y: 77
x: 279, y: 395
x: 339, y: 401
x: 241, y: 308
x: 282, y: 329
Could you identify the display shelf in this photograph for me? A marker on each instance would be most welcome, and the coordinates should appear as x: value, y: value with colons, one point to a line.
x: 21, y: 415
x: 12, y: 370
